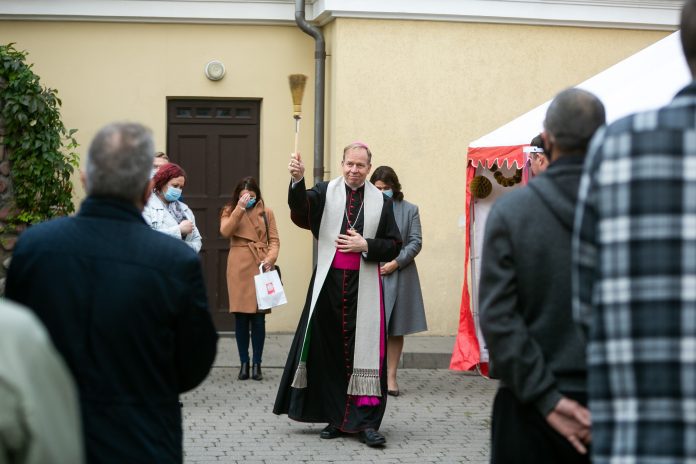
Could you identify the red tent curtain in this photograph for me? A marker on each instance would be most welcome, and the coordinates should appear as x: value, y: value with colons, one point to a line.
x: 466, y: 354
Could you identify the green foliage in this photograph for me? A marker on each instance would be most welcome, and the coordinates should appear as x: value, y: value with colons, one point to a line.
x: 42, y: 150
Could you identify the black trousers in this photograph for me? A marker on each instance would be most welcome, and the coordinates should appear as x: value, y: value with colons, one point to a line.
x: 520, y: 434
x: 257, y: 322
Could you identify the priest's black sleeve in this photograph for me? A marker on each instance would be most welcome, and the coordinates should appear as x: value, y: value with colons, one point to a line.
x: 307, y: 206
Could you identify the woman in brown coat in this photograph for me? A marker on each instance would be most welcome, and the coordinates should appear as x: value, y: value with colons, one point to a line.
x: 251, y: 228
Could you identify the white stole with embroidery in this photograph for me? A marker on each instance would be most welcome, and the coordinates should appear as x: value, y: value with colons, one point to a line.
x: 364, y: 380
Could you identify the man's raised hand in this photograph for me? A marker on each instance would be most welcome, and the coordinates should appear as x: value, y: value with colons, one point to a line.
x: 296, y: 167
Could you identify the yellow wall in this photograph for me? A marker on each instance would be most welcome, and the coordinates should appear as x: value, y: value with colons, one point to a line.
x: 418, y: 92
x: 114, y: 71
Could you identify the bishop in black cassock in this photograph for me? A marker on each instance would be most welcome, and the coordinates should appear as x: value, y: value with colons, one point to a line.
x: 336, y: 368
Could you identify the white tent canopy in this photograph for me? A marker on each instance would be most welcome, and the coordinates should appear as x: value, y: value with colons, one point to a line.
x: 646, y: 80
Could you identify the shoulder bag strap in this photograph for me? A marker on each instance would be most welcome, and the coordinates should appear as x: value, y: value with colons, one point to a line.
x: 265, y: 221
x: 268, y: 237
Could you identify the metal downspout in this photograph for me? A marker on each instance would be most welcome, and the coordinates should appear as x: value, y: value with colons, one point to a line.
x: 319, y: 79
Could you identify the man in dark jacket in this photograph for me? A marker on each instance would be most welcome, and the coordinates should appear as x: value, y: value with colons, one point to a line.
x: 125, y: 305
x: 539, y: 412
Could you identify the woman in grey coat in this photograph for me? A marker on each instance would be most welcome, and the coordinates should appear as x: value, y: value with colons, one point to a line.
x: 403, y: 300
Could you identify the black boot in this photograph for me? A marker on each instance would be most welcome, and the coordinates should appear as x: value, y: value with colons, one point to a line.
x: 330, y: 432
x: 256, y: 372
x: 244, y: 371
x: 371, y: 437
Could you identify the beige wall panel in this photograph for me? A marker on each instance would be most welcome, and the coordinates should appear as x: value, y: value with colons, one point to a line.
x: 419, y: 92
x: 115, y: 71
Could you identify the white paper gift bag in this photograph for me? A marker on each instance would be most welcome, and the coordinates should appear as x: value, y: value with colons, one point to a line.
x: 269, y: 289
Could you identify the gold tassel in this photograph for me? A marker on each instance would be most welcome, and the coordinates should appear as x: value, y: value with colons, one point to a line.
x: 300, y: 379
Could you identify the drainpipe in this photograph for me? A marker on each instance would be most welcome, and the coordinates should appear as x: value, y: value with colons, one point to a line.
x: 319, y: 78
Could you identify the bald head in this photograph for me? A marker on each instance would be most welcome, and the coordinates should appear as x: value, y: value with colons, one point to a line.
x: 571, y: 120
x: 688, y: 34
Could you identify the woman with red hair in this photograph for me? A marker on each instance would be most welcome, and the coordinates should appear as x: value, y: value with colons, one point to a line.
x: 164, y: 211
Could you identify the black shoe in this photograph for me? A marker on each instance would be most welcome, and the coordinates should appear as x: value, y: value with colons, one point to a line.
x: 393, y: 392
x: 244, y: 371
x: 371, y: 437
x: 256, y: 372
x: 329, y: 432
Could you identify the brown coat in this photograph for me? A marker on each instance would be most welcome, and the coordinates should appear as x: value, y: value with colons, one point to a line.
x: 248, y: 247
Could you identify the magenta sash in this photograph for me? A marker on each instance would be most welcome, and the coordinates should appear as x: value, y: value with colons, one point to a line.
x: 346, y: 261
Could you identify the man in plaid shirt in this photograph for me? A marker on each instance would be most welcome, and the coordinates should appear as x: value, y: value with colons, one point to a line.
x: 634, y: 279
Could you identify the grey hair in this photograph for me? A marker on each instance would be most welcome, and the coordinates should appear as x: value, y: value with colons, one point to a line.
x: 572, y: 119
x: 119, y: 161
x: 355, y: 145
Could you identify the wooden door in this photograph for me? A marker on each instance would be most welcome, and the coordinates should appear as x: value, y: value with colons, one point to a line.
x: 217, y: 143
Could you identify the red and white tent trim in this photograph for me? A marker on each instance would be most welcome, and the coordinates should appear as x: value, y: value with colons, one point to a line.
x: 508, y: 156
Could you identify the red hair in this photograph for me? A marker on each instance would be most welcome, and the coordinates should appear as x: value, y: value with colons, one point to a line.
x: 166, y: 173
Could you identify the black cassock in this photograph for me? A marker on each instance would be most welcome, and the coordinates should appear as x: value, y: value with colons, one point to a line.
x: 332, y: 330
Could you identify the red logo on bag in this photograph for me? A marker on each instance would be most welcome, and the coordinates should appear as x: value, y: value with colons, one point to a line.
x: 269, y: 288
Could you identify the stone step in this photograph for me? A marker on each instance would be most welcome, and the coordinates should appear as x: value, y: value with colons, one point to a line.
x: 420, y: 352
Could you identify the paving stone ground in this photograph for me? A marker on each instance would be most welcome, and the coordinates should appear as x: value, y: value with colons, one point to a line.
x: 441, y: 416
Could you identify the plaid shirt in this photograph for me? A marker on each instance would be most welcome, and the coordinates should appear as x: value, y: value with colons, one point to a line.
x: 634, y: 285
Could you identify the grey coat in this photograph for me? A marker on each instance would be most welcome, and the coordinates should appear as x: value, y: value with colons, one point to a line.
x: 403, y: 300
x: 525, y: 289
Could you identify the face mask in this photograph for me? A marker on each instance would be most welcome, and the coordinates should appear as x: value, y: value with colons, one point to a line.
x: 172, y: 194
x: 153, y: 172
x: 251, y: 203
x: 389, y: 193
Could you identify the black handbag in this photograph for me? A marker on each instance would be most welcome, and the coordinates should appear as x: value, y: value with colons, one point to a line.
x: 265, y: 221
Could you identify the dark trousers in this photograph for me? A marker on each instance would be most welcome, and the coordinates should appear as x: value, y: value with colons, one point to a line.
x: 520, y: 434
x: 257, y: 323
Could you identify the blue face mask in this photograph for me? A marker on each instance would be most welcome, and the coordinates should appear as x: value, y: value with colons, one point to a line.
x: 172, y: 193
x: 389, y: 193
x: 251, y: 203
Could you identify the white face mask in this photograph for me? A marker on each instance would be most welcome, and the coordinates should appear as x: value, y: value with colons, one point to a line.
x: 153, y: 172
